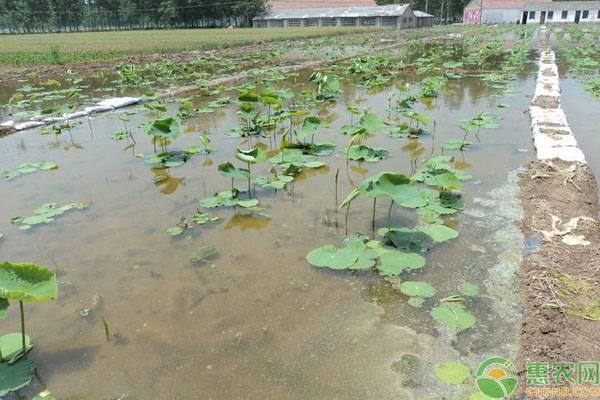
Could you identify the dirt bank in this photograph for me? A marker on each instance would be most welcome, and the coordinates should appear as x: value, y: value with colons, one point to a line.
x: 561, y: 278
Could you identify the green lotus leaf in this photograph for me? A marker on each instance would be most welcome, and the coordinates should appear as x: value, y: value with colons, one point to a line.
x: 456, y: 144
x: 309, y: 128
x: 27, y: 282
x: 328, y: 257
x: 439, y: 233
x: 175, y: 231
x: 247, y: 203
x: 361, y: 152
x: 454, y: 316
x: 11, y: 345
x: 408, y: 239
x: 371, y: 122
x: 314, y: 164
x: 15, y: 376
x: 166, y: 128
x: 229, y: 170
x: 417, y: 289
x: 394, y: 262
x: 447, y: 180
x: 383, y: 184
x: 254, y: 155
x: 204, y: 254
x: 452, y: 372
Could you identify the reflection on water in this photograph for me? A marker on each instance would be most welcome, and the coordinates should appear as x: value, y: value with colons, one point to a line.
x: 257, y: 322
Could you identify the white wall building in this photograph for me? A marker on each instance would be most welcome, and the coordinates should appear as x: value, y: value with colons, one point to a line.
x: 558, y: 12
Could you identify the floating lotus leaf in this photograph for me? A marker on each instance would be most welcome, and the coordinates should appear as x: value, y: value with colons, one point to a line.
x: 454, y: 316
x: 45, y: 214
x: 296, y: 158
x: 28, y: 168
x: 439, y: 233
x: 416, y: 301
x: 11, y: 345
x: 227, y: 199
x: 452, y: 372
x: 456, y: 144
x: 27, y: 282
x: 15, y: 376
x: 371, y: 122
x: 408, y: 239
x: 276, y: 184
x: 394, y: 262
x: 356, y: 255
x: 417, y: 289
x: 309, y: 128
x: 175, y: 231
x: 361, y: 152
x: 204, y: 254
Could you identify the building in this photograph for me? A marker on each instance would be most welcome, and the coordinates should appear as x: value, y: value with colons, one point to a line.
x: 495, y: 11
x: 530, y: 11
x: 299, y: 4
x: 424, y: 20
x: 561, y: 12
x: 398, y: 16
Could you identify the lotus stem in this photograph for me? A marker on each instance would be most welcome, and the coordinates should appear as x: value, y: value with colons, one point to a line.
x: 249, y: 184
x: 337, y: 176
x: 374, y: 209
x: 390, y: 215
x: 22, y: 327
x: 346, y: 218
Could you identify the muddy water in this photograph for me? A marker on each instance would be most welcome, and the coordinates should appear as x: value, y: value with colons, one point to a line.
x: 258, y: 322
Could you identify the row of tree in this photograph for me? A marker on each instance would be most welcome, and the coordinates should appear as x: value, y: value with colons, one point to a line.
x: 443, y: 10
x: 78, y: 15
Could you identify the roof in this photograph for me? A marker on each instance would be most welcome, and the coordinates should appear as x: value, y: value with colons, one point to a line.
x: 562, y: 5
x: 421, y: 14
x: 348, y: 12
x: 300, y: 4
x: 503, y: 4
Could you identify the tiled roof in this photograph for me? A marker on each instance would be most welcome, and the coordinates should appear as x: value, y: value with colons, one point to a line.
x: 299, y: 4
x: 347, y: 12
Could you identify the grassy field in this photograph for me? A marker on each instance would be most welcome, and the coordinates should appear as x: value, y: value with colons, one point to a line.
x: 59, y: 48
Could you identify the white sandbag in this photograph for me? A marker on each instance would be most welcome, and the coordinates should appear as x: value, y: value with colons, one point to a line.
x: 545, y: 116
x: 75, y: 115
x: 97, y: 109
x: 552, y: 131
x: 119, y: 102
x: 545, y: 141
x: 28, y: 125
x: 53, y: 120
x: 565, y: 153
x: 8, y: 124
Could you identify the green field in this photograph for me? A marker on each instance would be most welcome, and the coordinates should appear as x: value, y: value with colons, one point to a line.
x: 91, y: 46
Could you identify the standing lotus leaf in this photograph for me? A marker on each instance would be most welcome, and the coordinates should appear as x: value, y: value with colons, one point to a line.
x: 27, y: 282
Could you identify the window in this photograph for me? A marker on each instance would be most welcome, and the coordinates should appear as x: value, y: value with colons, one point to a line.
x: 293, y: 23
x: 531, y: 14
x: 348, y: 21
x: 564, y: 15
x: 409, y: 19
x: 586, y: 14
x: 328, y: 22
x: 550, y: 14
x: 368, y: 21
x: 311, y: 22
x: 403, y: 20
x: 389, y: 21
x: 598, y: 14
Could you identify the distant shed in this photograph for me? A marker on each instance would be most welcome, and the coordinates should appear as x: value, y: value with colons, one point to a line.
x: 424, y: 20
x: 397, y: 16
x: 301, y: 4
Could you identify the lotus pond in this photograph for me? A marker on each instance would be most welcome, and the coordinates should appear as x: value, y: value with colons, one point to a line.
x: 344, y: 233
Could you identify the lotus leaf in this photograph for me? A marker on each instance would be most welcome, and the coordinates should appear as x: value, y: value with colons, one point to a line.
x: 365, y: 153
x: 452, y: 372
x: 164, y: 128
x: 229, y: 170
x: 28, y: 168
x: 204, y: 254
x: 45, y: 214
x: 11, y: 345
x: 454, y: 316
x: 26, y: 282
x: 15, y: 376
x: 356, y: 255
x: 253, y: 156
x: 3, y: 308
x: 457, y: 144
x: 417, y: 289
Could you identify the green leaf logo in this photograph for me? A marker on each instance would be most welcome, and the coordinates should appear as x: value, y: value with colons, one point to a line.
x: 497, y: 378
